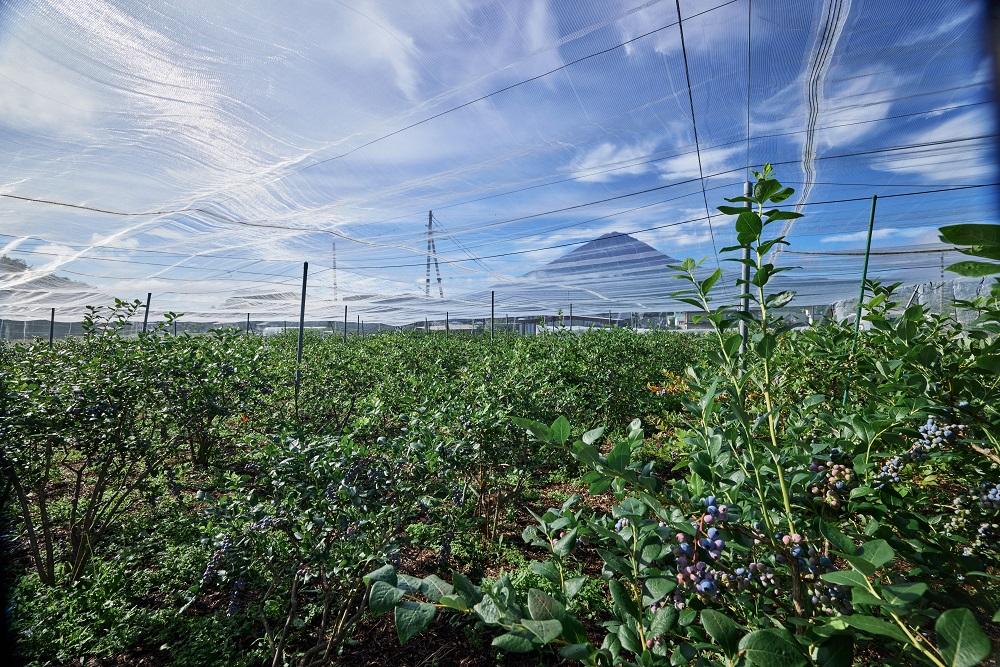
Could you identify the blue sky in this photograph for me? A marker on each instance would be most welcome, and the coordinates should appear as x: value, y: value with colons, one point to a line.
x: 240, y: 128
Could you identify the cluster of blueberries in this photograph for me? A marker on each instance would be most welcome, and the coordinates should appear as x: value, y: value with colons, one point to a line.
x: 833, y: 479
x: 982, y: 508
x: 694, y: 574
x: 235, y: 592
x: 215, y: 562
x: 932, y: 436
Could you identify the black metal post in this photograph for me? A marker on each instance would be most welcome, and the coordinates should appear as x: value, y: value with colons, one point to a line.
x: 248, y: 324
x: 861, y: 294
x: 610, y: 325
x: 359, y: 325
x: 52, y: 326
x: 302, y: 326
x: 345, y: 323
x: 145, y: 315
x: 570, y: 317
x: 492, y: 313
x: 175, y: 327
x: 447, y: 323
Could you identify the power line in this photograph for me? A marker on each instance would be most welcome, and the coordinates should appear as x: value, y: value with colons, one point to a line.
x: 694, y: 126
x: 509, y: 87
x: 675, y: 224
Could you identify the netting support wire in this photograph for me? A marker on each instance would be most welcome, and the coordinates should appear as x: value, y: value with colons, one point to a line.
x: 745, y: 282
x: 302, y: 329
x: 345, y: 323
x: 861, y: 294
x: 52, y: 326
x: 493, y: 316
x: 694, y: 127
x: 145, y: 314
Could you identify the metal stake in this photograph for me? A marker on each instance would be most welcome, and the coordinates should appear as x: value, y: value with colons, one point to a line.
x: 302, y: 325
x: 861, y: 294
x: 52, y: 326
x: 345, y: 323
x: 248, y: 324
x: 745, y: 281
x: 145, y: 315
x: 492, y: 313
x: 447, y: 323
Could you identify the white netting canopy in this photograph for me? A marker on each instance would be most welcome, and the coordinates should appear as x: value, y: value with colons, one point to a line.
x: 421, y: 156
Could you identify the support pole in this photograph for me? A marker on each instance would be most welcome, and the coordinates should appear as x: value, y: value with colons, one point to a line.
x: 175, y: 327
x: 610, y: 325
x: 359, y: 325
x: 570, y: 317
x: 427, y: 325
x: 447, y: 323
x: 52, y: 326
x: 861, y: 294
x: 492, y: 313
x: 302, y: 328
x: 345, y: 323
x: 248, y: 324
x: 145, y: 315
x: 745, y: 281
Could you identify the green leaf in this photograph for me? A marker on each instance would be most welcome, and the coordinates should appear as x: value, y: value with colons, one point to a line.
x: 539, y: 430
x: 846, y: 578
x: 874, y: 626
x: 838, y: 540
x: 663, y: 620
x: 513, y: 643
x: 565, y: 545
x: 488, y: 611
x: 386, y: 573
x: 412, y: 618
x: 559, y: 431
x: 658, y: 588
x: 573, y: 586
x: 578, y: 652
x: 707, y: 283
x: 434, y: 587
x: 546, y: 631
x: 546, y: 569
x: 593, y: 435
x: 960, y: 638
x: 837, y: 651
x: 623, y: 599
x: 455, y: 602
x: 877, y: 552
x: 904, y: 594
x: 972, y: 269
x: 971, y: 234
x: 733, y: 210
x: 383, y: 597
x: 542, y: 606
x: 769, y: 648
x: 722, y: 629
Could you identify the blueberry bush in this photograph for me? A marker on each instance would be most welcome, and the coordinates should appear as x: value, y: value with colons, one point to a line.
x: 815, y: 524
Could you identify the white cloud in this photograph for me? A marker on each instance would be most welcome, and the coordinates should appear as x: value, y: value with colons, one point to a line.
x: 39, y: 94
x: 608, y: 155
x: 957, y: 162
x: 713, y: 161
x: 886, y: 233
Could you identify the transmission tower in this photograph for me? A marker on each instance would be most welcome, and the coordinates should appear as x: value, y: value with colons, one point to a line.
x: 432, y: 254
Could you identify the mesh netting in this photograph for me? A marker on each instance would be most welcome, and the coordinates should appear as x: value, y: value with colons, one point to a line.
x: 569, y: 151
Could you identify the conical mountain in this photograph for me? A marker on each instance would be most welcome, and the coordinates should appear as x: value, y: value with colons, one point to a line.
x: 611, y: 255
